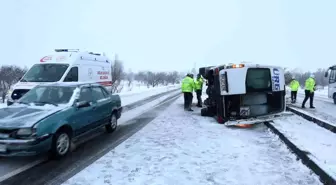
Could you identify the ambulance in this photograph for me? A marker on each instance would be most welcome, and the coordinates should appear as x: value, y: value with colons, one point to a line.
x: 244, y: 93
x: 64, y: 65
x: 331, y: 72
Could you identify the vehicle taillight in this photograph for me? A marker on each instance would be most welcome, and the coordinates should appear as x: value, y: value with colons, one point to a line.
x: 216, y: 71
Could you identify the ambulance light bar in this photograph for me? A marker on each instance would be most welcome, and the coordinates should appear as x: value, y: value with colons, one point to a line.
x: 235, y: 66
x: 66, y: 50
x: 97, y: 54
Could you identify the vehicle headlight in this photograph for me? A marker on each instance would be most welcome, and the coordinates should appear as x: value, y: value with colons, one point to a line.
x: 25, y: 132
x: 10, y: 91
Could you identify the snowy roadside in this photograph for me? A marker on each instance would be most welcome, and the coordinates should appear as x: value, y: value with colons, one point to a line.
x: 323, y: 93
x: 308, y: 136
x: 323, y: 110
x: 133, y: 96
x: 181, y: 147
x: 319, y: 95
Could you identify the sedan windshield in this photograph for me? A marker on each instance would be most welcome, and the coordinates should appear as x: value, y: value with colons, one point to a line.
x: 45, y: 73
x: 53, y: 95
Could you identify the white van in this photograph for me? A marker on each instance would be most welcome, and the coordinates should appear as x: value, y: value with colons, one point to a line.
x: 65, y: 65
x: 244, y: 93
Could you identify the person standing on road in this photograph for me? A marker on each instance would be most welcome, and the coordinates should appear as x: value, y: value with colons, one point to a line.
x: 309, y: 91
x: 198, y: 88
x: 192, y: 94
x: 294, y: 85
x: 187, y: 89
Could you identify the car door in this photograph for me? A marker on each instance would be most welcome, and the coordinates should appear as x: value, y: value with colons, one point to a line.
x: 83, y: 117
x: 103, y: 106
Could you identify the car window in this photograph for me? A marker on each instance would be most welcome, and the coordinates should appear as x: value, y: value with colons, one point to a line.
x: 98, y: 93
x: 85, y: 94
x: 106, y: 93
x: 72, y: 76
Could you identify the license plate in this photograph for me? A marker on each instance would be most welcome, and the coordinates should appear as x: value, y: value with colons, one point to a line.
x: 3, y: 148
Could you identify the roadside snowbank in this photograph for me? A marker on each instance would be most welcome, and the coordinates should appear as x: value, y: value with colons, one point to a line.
x: 323, y: 109
x: 311, y: 138
x: 133, y: 96
x: 319, y: 92
x: 181, y: 147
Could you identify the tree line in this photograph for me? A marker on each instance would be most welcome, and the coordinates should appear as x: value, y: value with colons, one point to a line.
x: 9, y: 75
x: 300, y: 76
x: 148, y: 78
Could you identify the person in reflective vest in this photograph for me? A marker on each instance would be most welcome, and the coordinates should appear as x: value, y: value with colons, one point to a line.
x: 198, y: 88
x: 309, y: 91
x: 188, y: 87
x: 294, y: 85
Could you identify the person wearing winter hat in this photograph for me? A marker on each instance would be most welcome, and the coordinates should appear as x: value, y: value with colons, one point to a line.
x: 309, y: 91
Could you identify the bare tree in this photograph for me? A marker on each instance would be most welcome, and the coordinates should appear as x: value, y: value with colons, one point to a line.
x: 141, y: 77
x: 173, y: 77
x: 9, y: 75
x: 129, y: 77
x: 117, y: 72
x: 302, y: 76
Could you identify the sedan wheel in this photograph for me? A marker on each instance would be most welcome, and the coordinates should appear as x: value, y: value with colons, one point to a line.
x: 63, y: 144
x: 113, y: 124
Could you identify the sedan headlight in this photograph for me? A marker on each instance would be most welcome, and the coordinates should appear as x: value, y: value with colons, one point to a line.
x: 25, y: 132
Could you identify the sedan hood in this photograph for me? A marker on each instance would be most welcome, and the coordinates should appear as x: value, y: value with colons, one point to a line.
x: 20, y: 116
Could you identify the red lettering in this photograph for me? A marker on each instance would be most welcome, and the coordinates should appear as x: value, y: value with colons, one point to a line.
x: 103, y: 72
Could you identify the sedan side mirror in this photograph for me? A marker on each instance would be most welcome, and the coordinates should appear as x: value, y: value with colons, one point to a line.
x: 82, y: 104
x: 326, y: 74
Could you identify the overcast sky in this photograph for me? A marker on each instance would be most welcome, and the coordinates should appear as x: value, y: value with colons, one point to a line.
x: 173, y: 34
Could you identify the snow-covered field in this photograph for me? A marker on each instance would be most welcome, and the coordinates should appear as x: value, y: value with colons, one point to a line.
x: 308, y: 136
x: 181, y: 147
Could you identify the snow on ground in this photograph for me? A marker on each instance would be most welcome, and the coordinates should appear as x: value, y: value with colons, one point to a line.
x: 324, y: 108
x: 312, y: 138
x: 136, y: 95
x: 322, y: 93
x: 2, y: 105
x: 181, y: 147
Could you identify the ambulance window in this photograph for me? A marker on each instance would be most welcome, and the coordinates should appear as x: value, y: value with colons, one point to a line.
x: 332, y: 77
x: 72, y: 76
x: 258, y: 79
x: 45, y: 73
